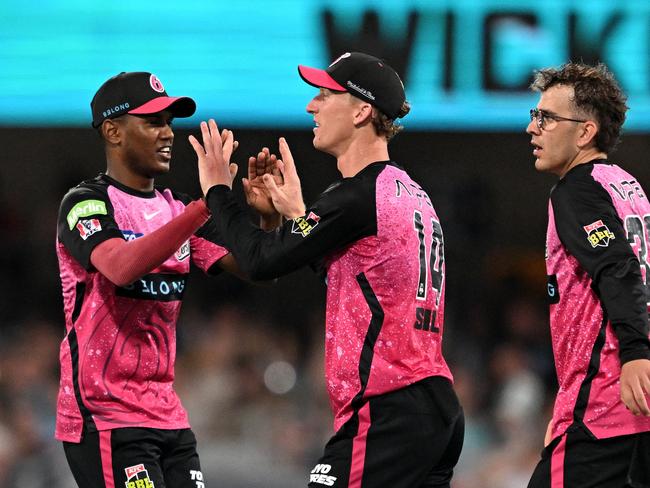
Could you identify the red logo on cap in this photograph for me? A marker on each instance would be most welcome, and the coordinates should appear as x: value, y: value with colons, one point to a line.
x: 156, y: 84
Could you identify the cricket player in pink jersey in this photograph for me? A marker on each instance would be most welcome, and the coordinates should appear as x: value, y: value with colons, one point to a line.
x: 376, y: 237
x: 598, y: 271
x: 124, y: 248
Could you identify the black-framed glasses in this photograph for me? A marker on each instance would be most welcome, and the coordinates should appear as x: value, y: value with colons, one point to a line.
x: 542, y: 118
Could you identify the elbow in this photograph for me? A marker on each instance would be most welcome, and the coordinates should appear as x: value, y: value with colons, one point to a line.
x: 260, y: 271
x: 261, y: 274
x: 120, y: 282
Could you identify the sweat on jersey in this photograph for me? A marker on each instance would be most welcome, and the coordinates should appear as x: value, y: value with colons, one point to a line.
x: 379, y: 239
x: 117, y: 357
x: 598, y: 233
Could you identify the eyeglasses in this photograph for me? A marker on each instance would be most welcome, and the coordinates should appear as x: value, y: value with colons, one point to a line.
x: 547, y: 121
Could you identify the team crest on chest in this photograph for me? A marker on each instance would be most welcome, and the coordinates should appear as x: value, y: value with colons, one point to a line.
x: 598, y: 234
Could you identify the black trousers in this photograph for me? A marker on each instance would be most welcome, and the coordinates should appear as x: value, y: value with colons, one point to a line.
x: 577, y: 460
x: 136, y: 458
x: 409, y: 438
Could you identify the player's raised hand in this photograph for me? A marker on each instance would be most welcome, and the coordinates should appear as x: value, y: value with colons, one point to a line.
x: 214, y: 156
x: 287, y: 199
x: 257, y: 195
x: 635, y: 386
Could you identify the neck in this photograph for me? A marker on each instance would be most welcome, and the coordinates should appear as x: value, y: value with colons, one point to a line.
x: 584, y: 156
x: 360, y: 154
x: 119, y: 171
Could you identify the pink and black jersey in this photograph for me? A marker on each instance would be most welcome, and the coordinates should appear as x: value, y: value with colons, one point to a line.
x: 379, y: 240
x: 597, y: 264
x: 117, y: 358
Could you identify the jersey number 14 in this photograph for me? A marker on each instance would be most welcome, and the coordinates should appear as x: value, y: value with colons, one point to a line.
x: 435, y: 255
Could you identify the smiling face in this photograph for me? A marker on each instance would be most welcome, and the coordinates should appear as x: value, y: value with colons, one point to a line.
x: 334, y: 114
x: 557, y: 146
x: 146, y: 143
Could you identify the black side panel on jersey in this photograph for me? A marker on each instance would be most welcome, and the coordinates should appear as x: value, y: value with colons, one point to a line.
x: 79, y: 292
x: 368, y: 350
x: 89, y: 423
x: 342, y: 215
x: 86, y: 219
x: 593, y: 368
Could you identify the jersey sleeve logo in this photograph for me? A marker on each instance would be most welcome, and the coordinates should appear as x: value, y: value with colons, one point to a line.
x: 88, y: 227
x: 85, y: 209
x: 304, y: 225
x: 598, y: 234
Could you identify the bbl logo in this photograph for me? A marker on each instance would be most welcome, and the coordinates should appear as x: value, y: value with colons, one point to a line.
x: 88, y: 227
x: 137, y: 477
x: 598, y: 234
x: 304, y: 225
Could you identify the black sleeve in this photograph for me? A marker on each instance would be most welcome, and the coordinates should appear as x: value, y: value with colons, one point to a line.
x: 85, y: 220
x: 339, y: 217
x: 207, y: 231
x: 589, y: 227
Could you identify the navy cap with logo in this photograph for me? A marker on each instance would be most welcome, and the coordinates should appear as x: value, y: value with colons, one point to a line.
x: 138, y: 93
x: 364, y: 76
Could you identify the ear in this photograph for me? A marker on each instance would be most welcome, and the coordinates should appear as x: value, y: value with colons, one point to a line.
x: 587, y: 135
x: 362, y: 112
x: 111, y: 131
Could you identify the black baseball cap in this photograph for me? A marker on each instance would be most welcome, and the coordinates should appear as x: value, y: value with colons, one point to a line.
x: 138, y: 93
x: 363, y: 76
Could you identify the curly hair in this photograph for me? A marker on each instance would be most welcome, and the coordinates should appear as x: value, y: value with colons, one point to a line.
x: 597, y: 94
x: 385, y: 126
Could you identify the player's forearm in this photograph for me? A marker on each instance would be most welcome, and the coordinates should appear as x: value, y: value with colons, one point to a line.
x: 123, y: 262
x: 258, y: 253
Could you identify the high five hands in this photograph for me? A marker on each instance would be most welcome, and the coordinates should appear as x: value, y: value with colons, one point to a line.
x: 214, y: 155
x: 287, y: 197
x: 272, y: 186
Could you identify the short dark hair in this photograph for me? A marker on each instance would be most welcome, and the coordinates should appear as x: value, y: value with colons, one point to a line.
x: 385, y: 126
x: 596, y: 94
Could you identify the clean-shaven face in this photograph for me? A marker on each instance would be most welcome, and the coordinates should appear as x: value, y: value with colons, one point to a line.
x: 147, y: 143
x: 555, y: 146
x: 334, y: 120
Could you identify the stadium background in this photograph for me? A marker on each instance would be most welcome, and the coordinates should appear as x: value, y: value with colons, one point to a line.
x: 250, y: 357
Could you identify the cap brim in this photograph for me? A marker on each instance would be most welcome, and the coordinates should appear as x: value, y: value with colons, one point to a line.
x: 319, y: 78
x: 178, y: 106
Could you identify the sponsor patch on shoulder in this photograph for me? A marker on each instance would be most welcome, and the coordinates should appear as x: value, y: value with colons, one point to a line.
x: 304, y: 225
x: 598, y: 234
x: 88, y: 227
x: 138, y: 477
x: 85, y: 208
